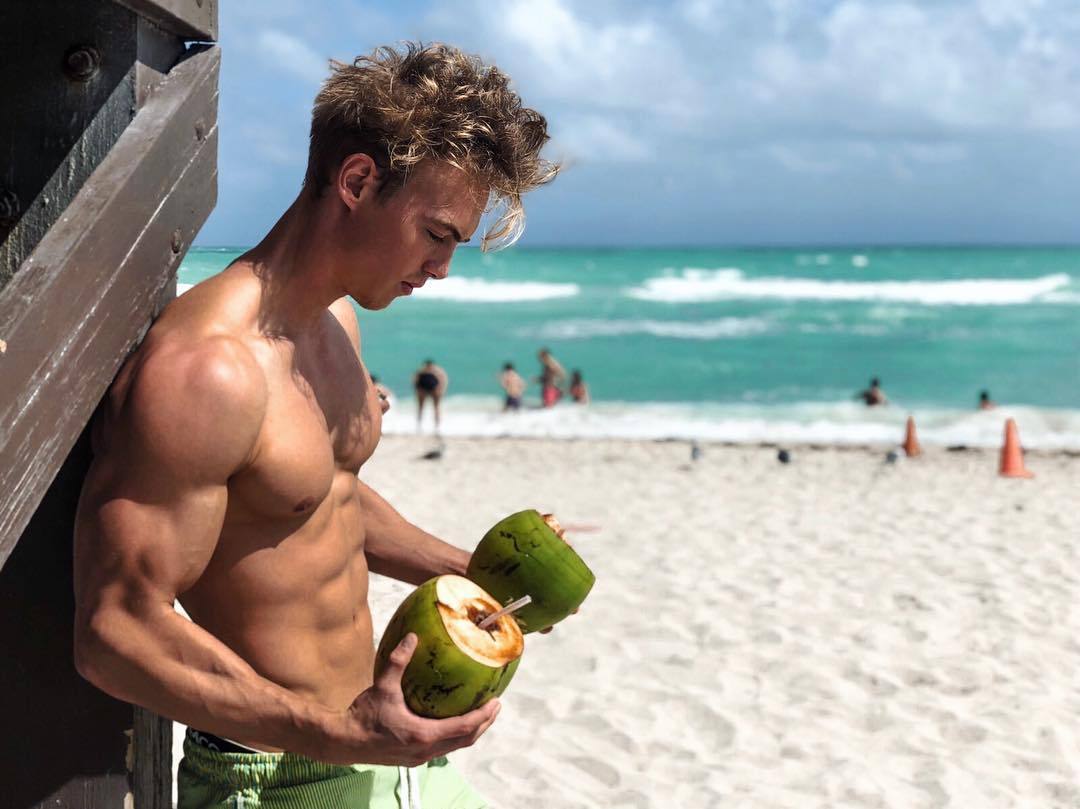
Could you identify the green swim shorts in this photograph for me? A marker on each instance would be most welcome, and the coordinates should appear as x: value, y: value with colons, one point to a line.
x: 210, y: 780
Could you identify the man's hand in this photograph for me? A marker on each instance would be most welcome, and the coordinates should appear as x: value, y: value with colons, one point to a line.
x: 380, y: 729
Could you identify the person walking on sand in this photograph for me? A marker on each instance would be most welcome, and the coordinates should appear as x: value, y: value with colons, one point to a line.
x: 874, y: 395
x: 226, y: 455
x: 430, y: 382
x: 985, y: 403
x: 513, y: 385
x: 551, y: 374
x: 579, y: 391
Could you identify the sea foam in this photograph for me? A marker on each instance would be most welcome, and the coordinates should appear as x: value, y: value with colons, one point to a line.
x: 725, y: 327
x: 691, y: 285
x: 833, y: 423
x: 479, y: 290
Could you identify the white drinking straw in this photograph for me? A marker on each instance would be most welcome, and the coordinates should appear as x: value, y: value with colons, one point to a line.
x: 509, y: 608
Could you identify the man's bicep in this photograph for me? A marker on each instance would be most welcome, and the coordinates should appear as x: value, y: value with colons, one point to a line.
x: 136, y: 545
x: 153, y: 505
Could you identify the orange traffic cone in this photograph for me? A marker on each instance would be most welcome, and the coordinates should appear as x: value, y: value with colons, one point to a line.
x: 911, y: 440
x: 1012, y: 456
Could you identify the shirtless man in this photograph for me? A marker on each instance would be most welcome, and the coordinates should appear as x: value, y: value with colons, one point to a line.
x: 551, y: 374
x: 227, y: 452
x: 513, y: 386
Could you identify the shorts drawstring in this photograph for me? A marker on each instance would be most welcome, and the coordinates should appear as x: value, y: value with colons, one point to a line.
x: 409, y: 786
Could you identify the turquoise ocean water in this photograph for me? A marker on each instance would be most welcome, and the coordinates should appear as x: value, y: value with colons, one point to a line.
x: 745, y: 345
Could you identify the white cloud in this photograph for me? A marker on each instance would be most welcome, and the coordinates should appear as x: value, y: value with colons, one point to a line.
x: 291, y: 54
x: 566, y: 52
x: 598, y: 139
x: 936, y: 152
x: 273, y: 144
x: 718, y: 73
x: 799, y: 161
x: 958, y: 66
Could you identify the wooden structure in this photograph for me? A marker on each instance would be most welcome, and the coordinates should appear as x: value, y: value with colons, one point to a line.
x: 108, y: 151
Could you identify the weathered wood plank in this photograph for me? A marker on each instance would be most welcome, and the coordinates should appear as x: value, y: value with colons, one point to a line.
x: 190, y: 19
x: 111, y: 254
x: 152, y: 776
x: 63, y: 744
x: 157, y: 53
x: 68, y: 90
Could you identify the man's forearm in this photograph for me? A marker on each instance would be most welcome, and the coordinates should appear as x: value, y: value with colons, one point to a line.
x: 396, y: 548
x: 163, y: 662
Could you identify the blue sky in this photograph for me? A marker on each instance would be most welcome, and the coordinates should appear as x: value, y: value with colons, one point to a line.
x: 711, y: 122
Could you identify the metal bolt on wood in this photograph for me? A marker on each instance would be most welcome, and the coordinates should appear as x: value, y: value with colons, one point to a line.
x: 82, y: 62
x: 177, y: 241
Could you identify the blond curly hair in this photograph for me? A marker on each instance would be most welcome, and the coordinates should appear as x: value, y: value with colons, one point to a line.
x: 431, y: 102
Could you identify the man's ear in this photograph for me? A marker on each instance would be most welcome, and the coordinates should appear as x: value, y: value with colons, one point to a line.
x: 358, y: 176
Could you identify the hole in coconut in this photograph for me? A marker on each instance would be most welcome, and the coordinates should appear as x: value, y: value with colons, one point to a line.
x: 477, y: 611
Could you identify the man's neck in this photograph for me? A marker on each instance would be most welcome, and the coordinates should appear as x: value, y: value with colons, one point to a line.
x: 295, y: 270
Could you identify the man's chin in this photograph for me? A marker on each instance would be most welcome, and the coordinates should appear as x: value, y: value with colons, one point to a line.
x: 373, y: 304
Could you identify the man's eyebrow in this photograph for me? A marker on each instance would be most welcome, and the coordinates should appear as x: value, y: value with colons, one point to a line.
x: 450, y: 226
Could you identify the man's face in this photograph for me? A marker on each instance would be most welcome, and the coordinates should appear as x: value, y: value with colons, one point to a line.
x: 401, y: 240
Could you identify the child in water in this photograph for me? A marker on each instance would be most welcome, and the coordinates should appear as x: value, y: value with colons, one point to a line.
x: 579, y: 391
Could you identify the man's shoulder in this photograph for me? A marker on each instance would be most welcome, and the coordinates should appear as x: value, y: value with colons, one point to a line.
x: 203, y: 340
x: 219, y: 365
x: 194, y: 398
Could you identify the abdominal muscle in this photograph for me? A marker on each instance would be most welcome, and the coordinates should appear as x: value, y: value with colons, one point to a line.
x: 290, y: 598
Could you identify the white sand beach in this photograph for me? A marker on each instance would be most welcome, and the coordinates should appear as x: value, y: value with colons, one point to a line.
x: 836, y: 632
x: 832, y: 633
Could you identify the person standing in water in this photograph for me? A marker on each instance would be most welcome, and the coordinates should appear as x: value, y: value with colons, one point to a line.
x: 513, y: 385
x: 985, y: 402
x: 579, y: 391
x: 874, y: 395
x: 551, y: 374
x: 429, y: 382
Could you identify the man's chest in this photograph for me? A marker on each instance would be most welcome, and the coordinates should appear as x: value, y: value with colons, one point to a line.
x: 323, y: 420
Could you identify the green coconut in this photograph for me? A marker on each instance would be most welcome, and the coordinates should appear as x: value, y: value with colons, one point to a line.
x: 457, y: 666
x: 525, y: 554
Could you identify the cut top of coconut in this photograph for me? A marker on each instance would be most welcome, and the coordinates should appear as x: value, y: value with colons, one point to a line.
x: 462, y: 605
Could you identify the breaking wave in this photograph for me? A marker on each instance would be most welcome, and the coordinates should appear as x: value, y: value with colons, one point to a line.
x: 833, y: 423
x: 479, y: 290
x: 701, y: 330
x: 692, y: 285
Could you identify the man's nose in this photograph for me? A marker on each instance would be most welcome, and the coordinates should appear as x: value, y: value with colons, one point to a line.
x: 439, y: 269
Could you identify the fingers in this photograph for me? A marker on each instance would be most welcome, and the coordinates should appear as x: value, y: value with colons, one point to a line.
x: 466, y: 725
x: 467, y: 739
x: 399, y: 659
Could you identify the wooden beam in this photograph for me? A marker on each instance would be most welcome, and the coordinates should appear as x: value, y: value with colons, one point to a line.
x: 64, y: 742
x: 67, y: 80
x: 151, y: 778
x: 190, y: 19
x: 86, y: 295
